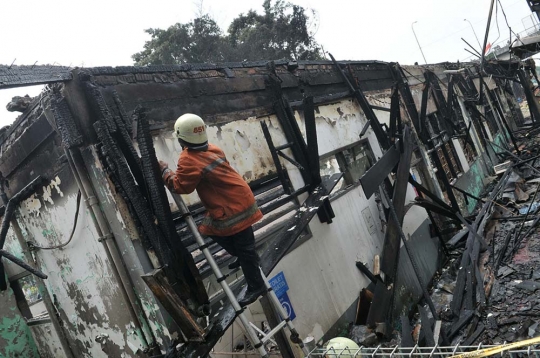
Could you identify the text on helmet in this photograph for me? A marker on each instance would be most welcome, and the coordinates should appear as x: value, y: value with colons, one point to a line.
x: 198, y: 129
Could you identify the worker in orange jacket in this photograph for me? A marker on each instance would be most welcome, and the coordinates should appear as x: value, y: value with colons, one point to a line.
x: 228, y: 199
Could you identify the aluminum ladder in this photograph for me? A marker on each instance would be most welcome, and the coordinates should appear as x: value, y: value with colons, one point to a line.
x: 256, y: 342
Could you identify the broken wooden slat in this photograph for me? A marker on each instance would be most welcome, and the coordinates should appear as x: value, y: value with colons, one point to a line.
x: 426, y: 327
x: 406, y: 332
x: 360, y: 265
x: 311, y: 138
x: 463, y: 320
x: 378, y: 311
x: 435, y: 208
x: 166, y: 295
x: 479, y: 330
x: 379, y: 171
x: 362, y: 308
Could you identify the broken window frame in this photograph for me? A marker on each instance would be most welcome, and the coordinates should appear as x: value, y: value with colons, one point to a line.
x: 441, y: 138
x: 490, y: 120
x: 24, y: 299
x: 347, y: 182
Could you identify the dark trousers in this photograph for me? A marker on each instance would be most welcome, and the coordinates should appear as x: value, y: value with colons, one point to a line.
x: 242, y: 245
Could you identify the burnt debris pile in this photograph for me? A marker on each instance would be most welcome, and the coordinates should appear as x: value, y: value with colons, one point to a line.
x: 488, y: 291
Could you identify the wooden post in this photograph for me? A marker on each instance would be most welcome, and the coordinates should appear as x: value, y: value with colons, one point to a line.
x: 166, y: 295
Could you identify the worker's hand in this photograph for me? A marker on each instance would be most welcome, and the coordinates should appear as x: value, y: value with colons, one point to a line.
x: 163, y: 165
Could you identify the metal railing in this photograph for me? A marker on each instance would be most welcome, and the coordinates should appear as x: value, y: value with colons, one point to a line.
x: 437, y: 351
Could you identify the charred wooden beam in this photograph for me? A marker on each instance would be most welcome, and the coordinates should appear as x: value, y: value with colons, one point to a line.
x: 395, y: 116
x: 463, y: 320
x: 366, y: 107
x: 444, y: 179
x: 382, y: 302
x: 508, y: 133
x: 20, y: 76
x: 312, y: 143
x: 288, y: 122
x: 472, y: 338
x: 379, y: 171
x: 534, y: 107
x: 273, y: 151
x: 461, y: 279
x: 70, y: 134
x: 391, y: 242
x: 406, y: 332
x: 408, y: 100
x: 435, y: 208
x: 161, y: 288
x: 386, y: 304
x: 362, y: 267
x: 33, y: 137
x: 185, y: 268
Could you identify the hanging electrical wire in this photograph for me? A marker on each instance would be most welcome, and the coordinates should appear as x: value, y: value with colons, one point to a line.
x: 75, y: 219
x: 506, y: 20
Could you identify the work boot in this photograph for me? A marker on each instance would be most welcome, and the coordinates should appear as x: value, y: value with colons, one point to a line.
x: 234, y: 265
x: 252, y: 295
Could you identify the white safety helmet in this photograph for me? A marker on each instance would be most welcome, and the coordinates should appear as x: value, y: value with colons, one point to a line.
x: 191, y: 129
x: 342, y: 347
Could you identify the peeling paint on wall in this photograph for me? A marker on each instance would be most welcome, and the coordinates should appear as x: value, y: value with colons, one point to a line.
x: 54, y: 184
x: 16, y: 341
x: 81, y: 280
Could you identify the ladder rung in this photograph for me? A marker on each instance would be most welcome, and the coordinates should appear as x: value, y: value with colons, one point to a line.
x: 261, y: 332
x: 284, y: 146
x: 274, y: 330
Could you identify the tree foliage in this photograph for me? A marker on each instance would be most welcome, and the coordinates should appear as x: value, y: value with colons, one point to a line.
x: 281, y: 32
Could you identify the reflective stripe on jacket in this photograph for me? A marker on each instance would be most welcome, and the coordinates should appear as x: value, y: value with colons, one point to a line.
x: 228, y: 199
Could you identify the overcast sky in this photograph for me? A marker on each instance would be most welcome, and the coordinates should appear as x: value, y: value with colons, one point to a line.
x: 107, y: 33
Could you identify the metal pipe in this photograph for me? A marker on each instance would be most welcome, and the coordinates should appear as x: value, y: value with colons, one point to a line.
x: 21, y: 263
x: 107, y: 238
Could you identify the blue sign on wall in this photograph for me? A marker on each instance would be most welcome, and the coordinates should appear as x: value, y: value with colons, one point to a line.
x: 280, y: 287
x: 286, y: 303
x: 279, y: 284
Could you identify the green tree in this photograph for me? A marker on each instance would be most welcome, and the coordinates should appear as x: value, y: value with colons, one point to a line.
x: 281, y: 32
x: 198, y: 41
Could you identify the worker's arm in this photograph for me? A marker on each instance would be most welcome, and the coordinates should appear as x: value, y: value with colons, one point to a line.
x: 184, y: 180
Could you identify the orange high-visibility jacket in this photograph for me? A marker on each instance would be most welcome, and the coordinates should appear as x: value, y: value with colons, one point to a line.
x: 228, y: 199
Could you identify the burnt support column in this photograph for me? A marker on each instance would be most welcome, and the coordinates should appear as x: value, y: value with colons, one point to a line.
x: 534, y: 107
